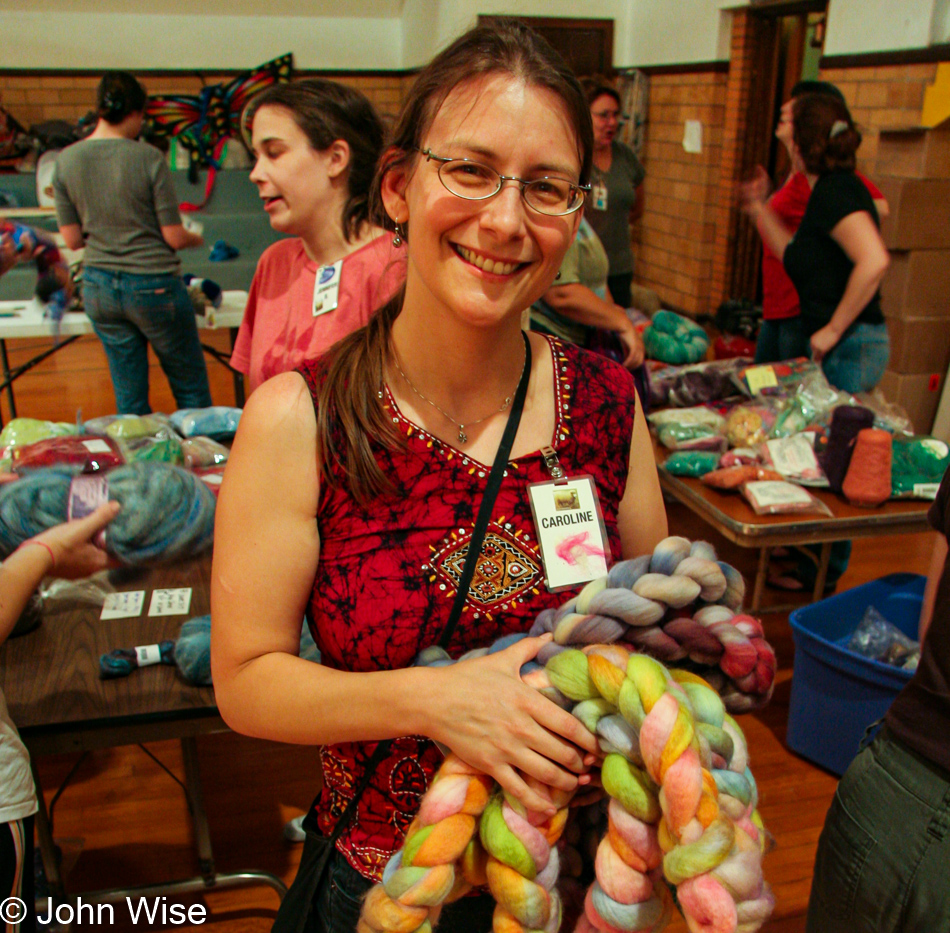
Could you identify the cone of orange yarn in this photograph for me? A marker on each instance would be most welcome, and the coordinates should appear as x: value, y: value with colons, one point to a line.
x: 868, y: 481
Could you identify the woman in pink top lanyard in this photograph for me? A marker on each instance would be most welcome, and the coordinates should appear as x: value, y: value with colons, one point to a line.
x: 316, y: 143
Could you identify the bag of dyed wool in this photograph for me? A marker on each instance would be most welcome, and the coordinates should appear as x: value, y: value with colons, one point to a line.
x: 82, y: 454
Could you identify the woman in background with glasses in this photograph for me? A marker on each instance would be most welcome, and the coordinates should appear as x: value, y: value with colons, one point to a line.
x: 616, y: 198
x: 377, y: 460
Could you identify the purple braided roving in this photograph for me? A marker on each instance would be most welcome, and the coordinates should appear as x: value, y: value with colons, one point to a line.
x: 679, y: 605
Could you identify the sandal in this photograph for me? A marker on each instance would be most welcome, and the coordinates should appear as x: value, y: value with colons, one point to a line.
x: 791, y: 582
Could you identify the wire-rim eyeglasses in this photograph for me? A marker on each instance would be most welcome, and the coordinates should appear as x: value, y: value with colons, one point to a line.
x: 475, y: 181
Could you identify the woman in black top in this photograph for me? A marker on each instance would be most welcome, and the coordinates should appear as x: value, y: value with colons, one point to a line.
x: 837, y: 258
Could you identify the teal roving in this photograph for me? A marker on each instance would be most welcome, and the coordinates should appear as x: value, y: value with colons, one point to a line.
x: 193, y: 651
x: 673, y: 338
x: 167, y: 513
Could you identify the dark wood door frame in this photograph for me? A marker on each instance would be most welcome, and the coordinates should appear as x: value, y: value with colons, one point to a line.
x: 586, y: 44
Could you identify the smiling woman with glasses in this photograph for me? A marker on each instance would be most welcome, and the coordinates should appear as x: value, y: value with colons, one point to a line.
x: 362, y: 487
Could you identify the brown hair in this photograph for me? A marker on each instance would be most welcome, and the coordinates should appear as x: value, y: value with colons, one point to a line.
x: 825, y: 134
x: 118, y: 95
x: 326, y: 111
x: 350, y: 413
x: 596, y: 86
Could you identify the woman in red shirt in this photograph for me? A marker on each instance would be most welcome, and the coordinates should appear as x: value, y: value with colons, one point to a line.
x: 353, y: 485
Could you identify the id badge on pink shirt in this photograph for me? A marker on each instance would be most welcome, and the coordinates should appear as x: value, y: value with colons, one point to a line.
x: 326, y: 288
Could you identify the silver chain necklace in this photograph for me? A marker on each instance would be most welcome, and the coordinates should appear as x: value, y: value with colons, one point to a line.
x: 463, y: 437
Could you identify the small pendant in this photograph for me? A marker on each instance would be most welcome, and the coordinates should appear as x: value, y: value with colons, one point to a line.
x: 463, y: 437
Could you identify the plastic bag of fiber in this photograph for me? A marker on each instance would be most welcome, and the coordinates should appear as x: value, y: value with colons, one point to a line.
x: 167, y: 513
x: 217, y: 422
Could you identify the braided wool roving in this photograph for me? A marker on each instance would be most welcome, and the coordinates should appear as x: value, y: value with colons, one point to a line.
x: 682, y: 815
x: 678, y: 604
x: 167, y: 513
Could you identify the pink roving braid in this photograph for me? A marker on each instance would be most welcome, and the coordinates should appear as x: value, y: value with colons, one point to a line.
x: 682, y: 814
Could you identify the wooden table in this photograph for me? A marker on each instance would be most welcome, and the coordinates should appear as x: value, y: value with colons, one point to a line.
x: 25, y: 319
x: 735, y: 520
x: 51, y: 683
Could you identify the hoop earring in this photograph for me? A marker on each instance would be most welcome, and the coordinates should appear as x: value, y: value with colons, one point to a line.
x: 397, y: 235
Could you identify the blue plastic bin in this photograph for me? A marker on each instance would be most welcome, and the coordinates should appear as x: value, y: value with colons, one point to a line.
x: 837, y: 694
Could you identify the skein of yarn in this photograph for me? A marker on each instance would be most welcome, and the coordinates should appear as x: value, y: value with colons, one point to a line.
x: 120, y: 662
x: 167, y: 513
x: 682, y: 816
x: 868, y: 482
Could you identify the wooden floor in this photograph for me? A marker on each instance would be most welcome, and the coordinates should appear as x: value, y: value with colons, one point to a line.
x: 123, y: 821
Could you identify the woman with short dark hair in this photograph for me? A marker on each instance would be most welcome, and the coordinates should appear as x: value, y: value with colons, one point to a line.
x: 616, y: 187
x: 115, y: 197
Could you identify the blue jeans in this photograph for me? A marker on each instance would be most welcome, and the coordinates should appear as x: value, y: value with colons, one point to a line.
x: 129, y: 312
x: 882, y: 858
x: 857, y: 362
x: 339, y: 898
x: 781, y: 339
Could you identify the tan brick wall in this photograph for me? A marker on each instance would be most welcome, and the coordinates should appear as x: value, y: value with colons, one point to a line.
x: 37, y: 98
x: 673, y: 242
x: 883, y: 97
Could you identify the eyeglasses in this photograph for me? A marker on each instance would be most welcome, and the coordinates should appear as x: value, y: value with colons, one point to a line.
x: 608, y: 115
x: 476, y: 182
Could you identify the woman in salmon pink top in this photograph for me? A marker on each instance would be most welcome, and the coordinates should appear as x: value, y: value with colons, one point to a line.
x: 316, y: 143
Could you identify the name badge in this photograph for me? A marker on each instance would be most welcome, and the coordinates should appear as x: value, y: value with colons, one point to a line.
x: 570, y: 529
x: 599, y: 193
x: 326, y: 288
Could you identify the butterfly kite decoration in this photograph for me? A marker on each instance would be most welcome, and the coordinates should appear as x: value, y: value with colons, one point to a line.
x: 203, y: 122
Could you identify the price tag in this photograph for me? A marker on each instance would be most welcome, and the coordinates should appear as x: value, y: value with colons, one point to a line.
x: 170, y: 602
x: 123, y: 605
x: 759, y: 378
x: 97, y: 446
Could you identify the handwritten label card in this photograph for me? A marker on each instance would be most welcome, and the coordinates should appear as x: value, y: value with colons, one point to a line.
x: 170, y: 602
x: 123, y: 605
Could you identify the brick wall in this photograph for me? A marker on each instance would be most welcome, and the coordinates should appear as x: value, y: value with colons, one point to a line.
x: 673, y: 243
x: 36, y: 98
x: 883, y: 97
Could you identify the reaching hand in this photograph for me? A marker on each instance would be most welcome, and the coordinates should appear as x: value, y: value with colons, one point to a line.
x: 74, y: 554
x: 632, y: 343
x: 508, y: 730
x: 754, y: 193
x: 8, y: 253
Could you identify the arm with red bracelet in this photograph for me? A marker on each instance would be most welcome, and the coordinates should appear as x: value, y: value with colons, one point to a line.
x: 65, y: 550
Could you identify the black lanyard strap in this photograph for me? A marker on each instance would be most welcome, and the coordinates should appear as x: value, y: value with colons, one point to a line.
x: 468, y: 571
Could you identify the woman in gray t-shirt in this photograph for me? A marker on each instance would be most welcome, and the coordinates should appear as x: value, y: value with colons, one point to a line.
x: 616, y: 197
x: 115, y: 197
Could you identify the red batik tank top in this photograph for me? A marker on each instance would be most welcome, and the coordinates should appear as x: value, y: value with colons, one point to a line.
x: 388, y: 571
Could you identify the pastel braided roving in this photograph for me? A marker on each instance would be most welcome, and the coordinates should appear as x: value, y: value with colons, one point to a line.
x: 678, y: 604
x: 167, y: 513
x: 682, y: 815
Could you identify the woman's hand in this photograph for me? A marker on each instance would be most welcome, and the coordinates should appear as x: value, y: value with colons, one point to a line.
x: 496, y: 723
x: 632, y: 342
x: 755, y: 192
x: 73, y: 553
x: 823, y: 342
x: 8, y: 253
